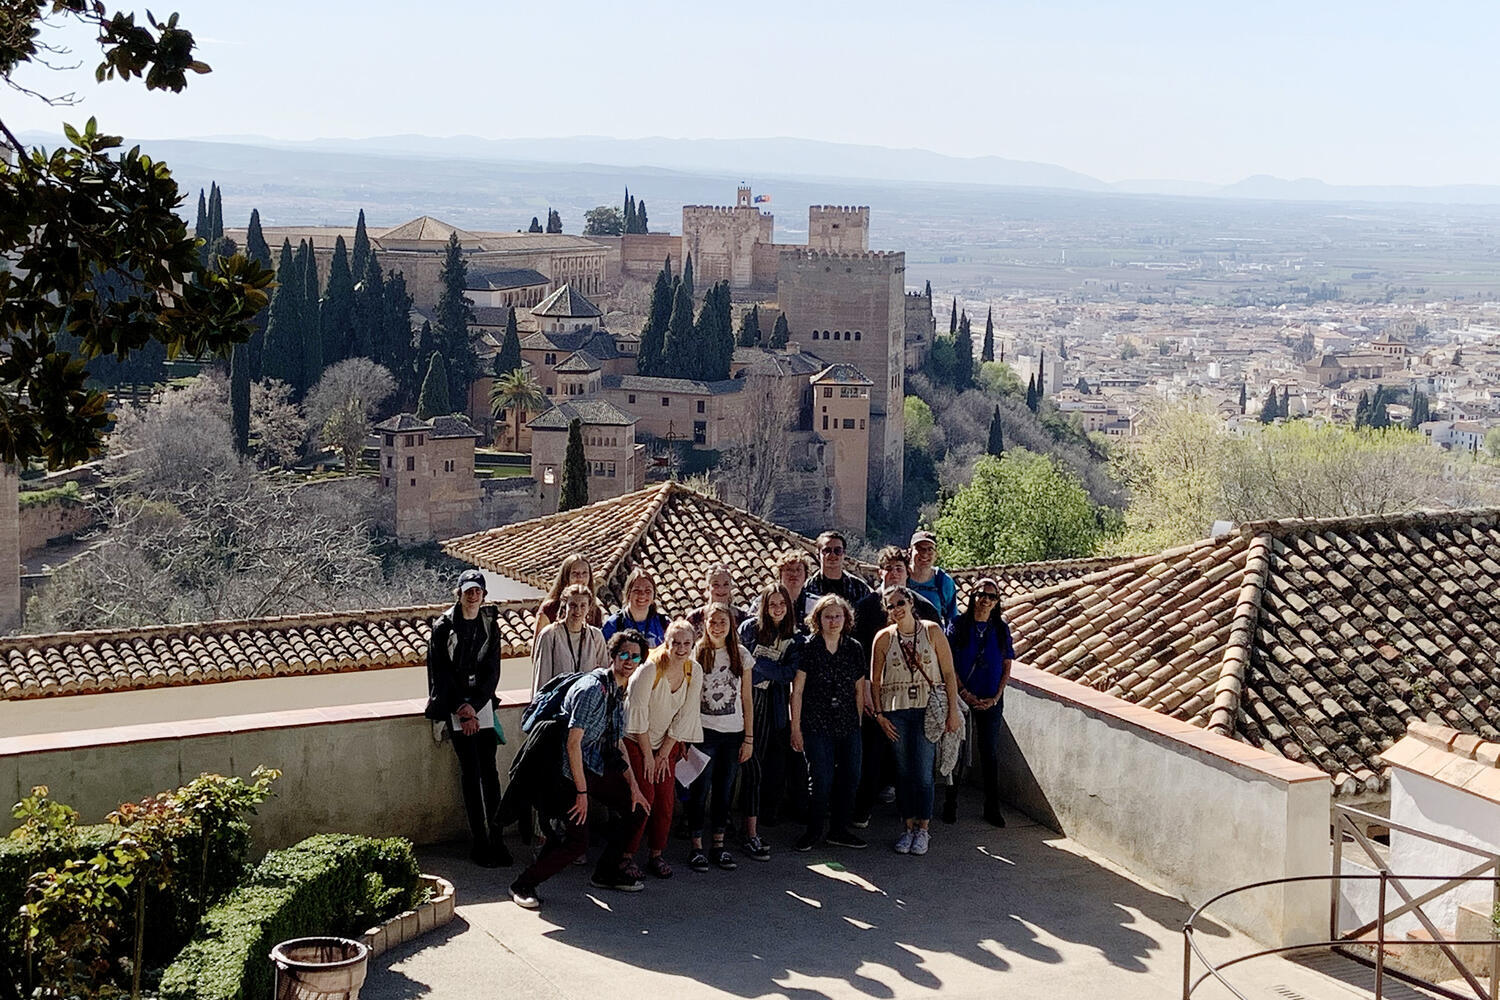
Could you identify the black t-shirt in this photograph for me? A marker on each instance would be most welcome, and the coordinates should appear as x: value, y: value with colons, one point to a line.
x: 470, y: 632
x: 848, y: 586
x: 829, y: 696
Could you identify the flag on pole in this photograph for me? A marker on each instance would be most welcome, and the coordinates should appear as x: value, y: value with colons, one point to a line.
x: 762, y: 199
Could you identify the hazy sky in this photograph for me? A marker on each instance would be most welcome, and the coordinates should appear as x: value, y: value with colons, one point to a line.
x: 1370, y: 92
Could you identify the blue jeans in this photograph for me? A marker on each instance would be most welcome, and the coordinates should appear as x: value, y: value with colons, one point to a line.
x: 833, y: 764
x: 723, y: 751
x: 915, y: 758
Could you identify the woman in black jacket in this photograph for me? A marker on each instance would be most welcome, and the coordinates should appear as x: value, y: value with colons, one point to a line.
x: 463, y: 670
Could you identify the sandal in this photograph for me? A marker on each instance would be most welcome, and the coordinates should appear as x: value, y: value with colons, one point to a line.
x: 657, y: 865
x: 630, y: 870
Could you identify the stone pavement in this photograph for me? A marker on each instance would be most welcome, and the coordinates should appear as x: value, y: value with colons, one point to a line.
x: 987, y: 913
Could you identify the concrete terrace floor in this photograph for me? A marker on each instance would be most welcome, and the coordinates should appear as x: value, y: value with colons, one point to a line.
x: 1018, y: 912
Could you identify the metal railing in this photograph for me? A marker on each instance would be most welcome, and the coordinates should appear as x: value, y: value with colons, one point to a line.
x: 1371, y: 934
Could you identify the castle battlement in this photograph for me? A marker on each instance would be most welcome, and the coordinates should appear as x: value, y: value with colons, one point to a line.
x: 840, y: 208
x: 723, y: 209
x: 916, y: 295
x: 805, y: 253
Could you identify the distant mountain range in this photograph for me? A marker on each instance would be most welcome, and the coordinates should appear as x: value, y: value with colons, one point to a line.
x: 811, y: 158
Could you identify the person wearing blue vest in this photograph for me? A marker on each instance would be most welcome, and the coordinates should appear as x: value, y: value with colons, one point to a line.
x: 982, y: 657
x: 640, y: 611
x: 930, y: 582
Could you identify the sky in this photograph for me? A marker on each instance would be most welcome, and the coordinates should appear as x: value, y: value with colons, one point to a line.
x: 1372, y: 92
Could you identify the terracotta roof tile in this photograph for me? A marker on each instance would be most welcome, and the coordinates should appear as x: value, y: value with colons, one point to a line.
x: 40, y: 666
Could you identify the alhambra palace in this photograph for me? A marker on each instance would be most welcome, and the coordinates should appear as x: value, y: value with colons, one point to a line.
x: 855, y: 330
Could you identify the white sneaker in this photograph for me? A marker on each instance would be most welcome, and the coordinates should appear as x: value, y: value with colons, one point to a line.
x: 920, y: 841
x: 904, y: 842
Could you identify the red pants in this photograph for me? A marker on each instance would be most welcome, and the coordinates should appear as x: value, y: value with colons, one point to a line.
x: 661, y: 794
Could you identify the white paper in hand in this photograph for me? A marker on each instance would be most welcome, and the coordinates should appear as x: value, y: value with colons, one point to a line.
x: 690, y: 766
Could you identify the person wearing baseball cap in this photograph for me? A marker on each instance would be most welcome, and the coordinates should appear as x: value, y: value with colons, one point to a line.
x: 930, y: 582
x: 463, y: 670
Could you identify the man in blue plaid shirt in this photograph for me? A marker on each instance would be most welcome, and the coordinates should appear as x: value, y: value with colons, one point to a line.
x: 595, y: 764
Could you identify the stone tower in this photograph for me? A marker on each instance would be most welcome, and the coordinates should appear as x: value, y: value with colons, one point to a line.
x: 851, y: 308
x: 841, y: 413
x: 722, y: 241
x: 841, y: 229
x: 429, y: 467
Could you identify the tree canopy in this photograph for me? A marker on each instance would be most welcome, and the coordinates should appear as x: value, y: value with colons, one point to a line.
x: 605, y: 220
x: 1022, y: 507
x: 83, y: 210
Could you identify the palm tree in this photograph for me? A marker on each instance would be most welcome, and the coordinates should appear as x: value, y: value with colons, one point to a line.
x: 516, y: 390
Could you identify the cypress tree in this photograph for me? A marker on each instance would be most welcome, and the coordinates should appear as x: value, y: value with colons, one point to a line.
x: 640, y: 217
x: 1286, y: 403
x: 1242, y: 399
x: 426, y: 342
x: 535, y: 226
x: 963, y: 356
x: 1420, y: 410
x: 454, y: 314
x: 361, y: 248
x: 1031, y: 399
x: 780, y: 335
x: 1361, y: 410
x: 200, y: 225
x: 257, y: 250
x: 239, y: 397
x: 509, y: 357
x: 215, y: 212
x: 368, y: 314
x: 687, y: 276
x: 750, y: 328
x: 1268, y: 409
x: 283, y: 352
x: 1083, y: 387
x: 715, y: 335
x: 928, y: 291
x: 395, y: 349
x: 628, y: 212
x: 987, y: 353
x: 680, y: 354
x: 996, y: 444
x: 336, y: 318
x: 554, y: 222
x: 953, y: 319
x: 312, y: 336
x: 432, y: 401
x: 1041, y: 374
x: 654, y: 333
x: 575, y: 478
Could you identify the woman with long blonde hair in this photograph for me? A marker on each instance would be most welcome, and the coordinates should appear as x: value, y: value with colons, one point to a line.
x: 662, y: 720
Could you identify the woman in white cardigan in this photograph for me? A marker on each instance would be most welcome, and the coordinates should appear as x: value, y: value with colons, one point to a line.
x: 570, y: 645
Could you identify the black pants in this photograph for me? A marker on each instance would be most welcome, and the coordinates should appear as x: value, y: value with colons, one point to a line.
x: 763, y: 776
x: 480, y: 779
x: 833, y: 765
x: 878, y: 768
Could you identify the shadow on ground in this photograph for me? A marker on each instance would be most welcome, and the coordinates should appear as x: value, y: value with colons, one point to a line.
x: 1016, y: 903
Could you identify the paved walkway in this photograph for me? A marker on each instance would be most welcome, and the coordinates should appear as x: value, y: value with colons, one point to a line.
x: 1018, y: 912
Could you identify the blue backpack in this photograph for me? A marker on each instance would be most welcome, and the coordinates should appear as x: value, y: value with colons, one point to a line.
x: 548, y: 703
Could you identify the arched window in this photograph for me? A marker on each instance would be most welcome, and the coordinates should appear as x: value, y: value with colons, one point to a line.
x: 856, y: 334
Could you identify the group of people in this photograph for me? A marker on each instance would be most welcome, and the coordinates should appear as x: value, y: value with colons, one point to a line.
x: 808, y: 701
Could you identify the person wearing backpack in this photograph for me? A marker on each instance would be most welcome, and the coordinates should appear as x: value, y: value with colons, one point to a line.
x: 463, y: 670
x: 663, y: 720
x: 593, y: 764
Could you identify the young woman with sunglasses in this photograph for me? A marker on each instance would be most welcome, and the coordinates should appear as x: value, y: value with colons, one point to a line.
x: 911, y: 658
x: 662, y: 709
x: 982, y: 656
x: 727, y: 712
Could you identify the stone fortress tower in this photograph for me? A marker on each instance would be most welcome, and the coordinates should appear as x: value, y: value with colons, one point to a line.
x: 841, y: 229
x: 722, y: 241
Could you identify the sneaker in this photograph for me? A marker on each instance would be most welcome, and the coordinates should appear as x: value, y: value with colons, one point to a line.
x: 616, y: 880
x: 525, y: 896
x: 843, y: 838
x: 698, y: 861
x: 860, y: 822
x: 806, y: 842
x: 724, y: 859
x: 888, y: 794
x: 903, y: 842
x: 920, y: 842
x: 757, y: 849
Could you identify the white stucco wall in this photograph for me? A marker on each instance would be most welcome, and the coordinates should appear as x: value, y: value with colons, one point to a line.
x: 1454, y: 814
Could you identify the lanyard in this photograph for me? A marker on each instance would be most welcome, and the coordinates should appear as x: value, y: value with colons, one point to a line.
x: 575, y: 653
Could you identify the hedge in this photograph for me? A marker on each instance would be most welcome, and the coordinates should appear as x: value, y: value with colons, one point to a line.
x: 67, y: 494
x: 20, y: 858
x: 329, y: 884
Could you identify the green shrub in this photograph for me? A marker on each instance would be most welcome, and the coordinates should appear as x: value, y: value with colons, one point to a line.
x: 329, y: 884
x: 67, y: 494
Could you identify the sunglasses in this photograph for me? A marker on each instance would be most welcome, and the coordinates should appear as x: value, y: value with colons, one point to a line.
x: 631, y: 657
x: 894, y: 605
x: 833, y: 552
x: 985, y: 595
